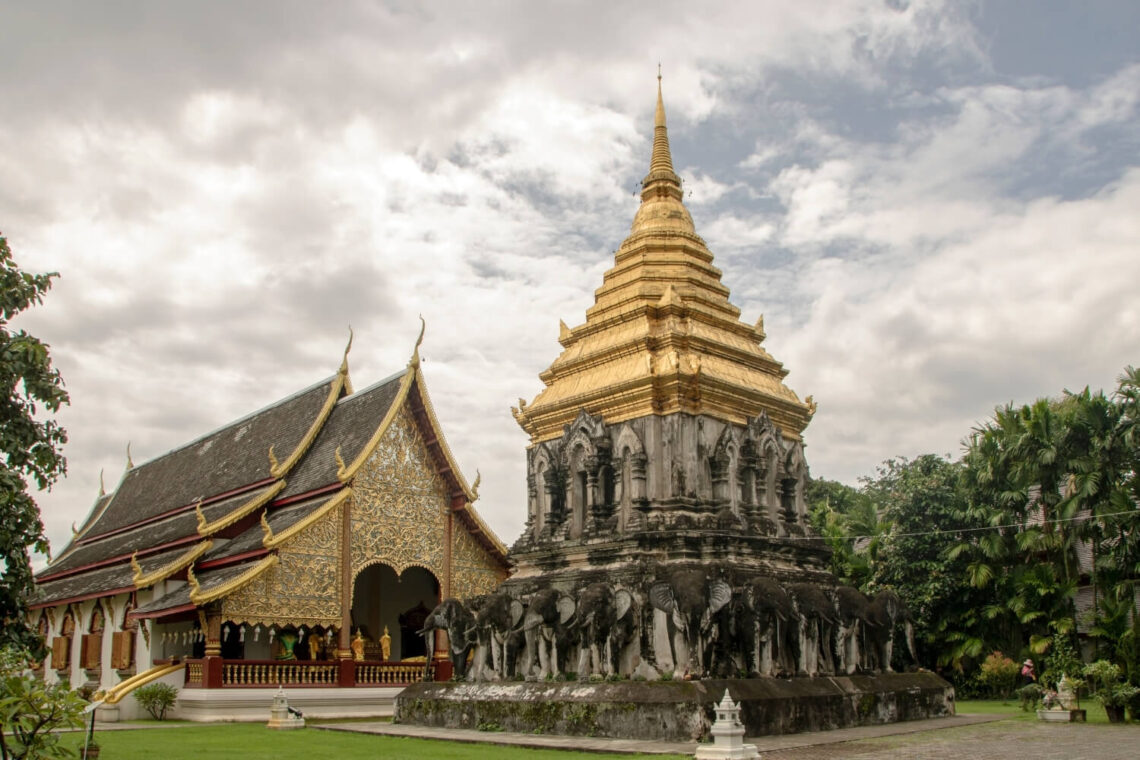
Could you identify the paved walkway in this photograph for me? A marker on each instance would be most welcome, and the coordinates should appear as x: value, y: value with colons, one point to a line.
x: 1005, y: 740
x: 766, y: 744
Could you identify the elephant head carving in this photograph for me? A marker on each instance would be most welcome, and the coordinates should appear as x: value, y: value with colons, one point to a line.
x: 773, y: 645
x: 690, y: 599
x: 547, y: 621
x: 605, y: 618
x: 495, y: 618
x: 817, y: 620
x: 885, y: 613
x: 452, y: 616
x: 852, y: 608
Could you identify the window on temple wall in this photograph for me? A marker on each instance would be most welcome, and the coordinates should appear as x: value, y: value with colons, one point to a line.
x: 93, y: 640
x: 61, y: 644
x: 43, y: 628
x: 123, y: 641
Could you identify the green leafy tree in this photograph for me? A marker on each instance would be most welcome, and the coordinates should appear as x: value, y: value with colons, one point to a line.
x: 847, y: 519
x: 32, y: 712
x: 29, y: 447
x: 922, y: 502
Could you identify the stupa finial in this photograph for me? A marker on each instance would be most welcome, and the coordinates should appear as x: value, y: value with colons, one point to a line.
x: 662, y: 160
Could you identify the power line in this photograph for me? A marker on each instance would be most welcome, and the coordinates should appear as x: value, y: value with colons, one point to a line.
x: 1079, y: 518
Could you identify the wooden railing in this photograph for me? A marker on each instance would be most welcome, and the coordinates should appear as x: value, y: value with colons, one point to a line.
x: 195, y: 673
x: 217, y: 673
x: 391, y: 673
x: 278, y: 673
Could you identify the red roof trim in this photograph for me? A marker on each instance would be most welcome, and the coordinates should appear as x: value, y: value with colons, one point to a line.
x: 85, y: 597
x: 191, y: 539
x: 233, y: 560
x: 177, y: 511
x: 163, y: 613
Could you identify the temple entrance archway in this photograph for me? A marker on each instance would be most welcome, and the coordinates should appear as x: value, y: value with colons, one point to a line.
x: 381, y: 598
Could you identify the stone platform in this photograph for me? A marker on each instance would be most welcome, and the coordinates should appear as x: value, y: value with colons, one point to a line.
x: 677, y: 710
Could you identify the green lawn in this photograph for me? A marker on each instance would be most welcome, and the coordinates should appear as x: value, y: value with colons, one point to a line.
x: 1010, y: 707
x: 245, y: 741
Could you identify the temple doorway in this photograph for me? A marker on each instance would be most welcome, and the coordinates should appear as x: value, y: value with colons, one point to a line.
x: 381, y: 599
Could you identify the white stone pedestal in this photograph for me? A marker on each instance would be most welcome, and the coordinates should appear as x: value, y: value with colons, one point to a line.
x: 279, y: 716
x: 1061, y: 716
x: 727, y: 735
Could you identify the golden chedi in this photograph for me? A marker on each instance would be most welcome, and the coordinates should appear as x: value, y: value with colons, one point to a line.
x: 663, y: 412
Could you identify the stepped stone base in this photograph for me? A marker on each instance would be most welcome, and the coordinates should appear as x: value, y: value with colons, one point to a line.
x: 677, y: 710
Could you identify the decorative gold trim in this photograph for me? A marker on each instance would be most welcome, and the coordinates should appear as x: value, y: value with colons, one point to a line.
x: 114, y: 694
x: 197, y: 596
x: 205, y: 529
x: 272, y: 540
x: 273, y: 464
x: 471, y: 493
x: 266, y: 531
x: 345, y: 474
x: 338, y: 384
x: 165, y: 571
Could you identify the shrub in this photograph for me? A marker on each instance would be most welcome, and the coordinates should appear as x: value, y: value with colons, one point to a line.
x: 1030, y: 695
x: 157, y: 698
x: 1104, y: 681
x: 999, y: 675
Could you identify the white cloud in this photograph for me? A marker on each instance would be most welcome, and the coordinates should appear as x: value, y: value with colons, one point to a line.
x: 219, y: 218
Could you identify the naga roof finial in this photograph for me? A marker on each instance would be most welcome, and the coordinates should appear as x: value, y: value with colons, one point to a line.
x: 130, y: 462
x: 414, y: 362
x: 102, y: 488
x: 344, y: 361
x: 475, y: 485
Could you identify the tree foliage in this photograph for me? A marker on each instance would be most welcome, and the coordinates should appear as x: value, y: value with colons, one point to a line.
x: 32, y: 712
x: 29, y: 446
x: 988, y: 552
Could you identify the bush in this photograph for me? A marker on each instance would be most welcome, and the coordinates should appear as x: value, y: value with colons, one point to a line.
x: 998, y: 675
x: 1030, y: 695
x: 157, y: 698
x: 1104, y: 680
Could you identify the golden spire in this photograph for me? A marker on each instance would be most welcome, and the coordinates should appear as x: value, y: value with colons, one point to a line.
x: 661, y: 194
x: 662, y: 160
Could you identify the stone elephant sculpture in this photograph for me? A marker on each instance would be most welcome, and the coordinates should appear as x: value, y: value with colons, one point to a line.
x: 690, y: 600
x: 546, y: 624
x: 496, y: 617
x: 605, y: 620
x: 851, y: 608
x: 453, y: 616
x: 817, y: 623
x: 885, y: 613
x: 773, y: 648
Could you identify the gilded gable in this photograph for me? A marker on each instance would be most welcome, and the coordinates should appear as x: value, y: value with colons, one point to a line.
x: 399, y: 504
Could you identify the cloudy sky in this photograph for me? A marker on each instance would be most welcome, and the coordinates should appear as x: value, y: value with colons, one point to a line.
x: 934, y: 205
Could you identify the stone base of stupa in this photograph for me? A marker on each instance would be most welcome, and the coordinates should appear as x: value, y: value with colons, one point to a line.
x: 677, y: 710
